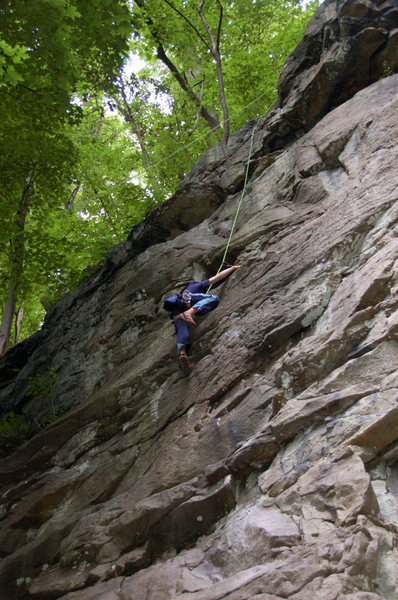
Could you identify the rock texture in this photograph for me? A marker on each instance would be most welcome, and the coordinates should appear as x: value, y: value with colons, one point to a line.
x: 271, y: 472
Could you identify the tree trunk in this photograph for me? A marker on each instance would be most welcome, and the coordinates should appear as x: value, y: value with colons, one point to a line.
x: 125, y: 110
x: 71, y: 201
x: 211, y: 118
x: 18, y: 325
x: 225, y: 135
x: 215, y: 51
x: 7, y: 318
x: 17, y: 251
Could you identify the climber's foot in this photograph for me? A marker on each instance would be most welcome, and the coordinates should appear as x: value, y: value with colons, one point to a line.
x: 184, y: 364
x: 185, y: 316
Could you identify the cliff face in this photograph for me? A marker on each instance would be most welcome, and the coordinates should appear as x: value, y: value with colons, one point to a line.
x: 272, y: 470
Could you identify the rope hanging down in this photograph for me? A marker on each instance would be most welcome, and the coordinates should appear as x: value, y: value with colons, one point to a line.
x: 239, y: 204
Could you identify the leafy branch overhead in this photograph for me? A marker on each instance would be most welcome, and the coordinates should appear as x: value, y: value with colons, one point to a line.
x: 212, y: 43
x: 91, y: 142
x: 50, y: 51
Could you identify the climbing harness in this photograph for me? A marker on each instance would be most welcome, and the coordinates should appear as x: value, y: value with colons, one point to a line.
x: 187, y: 298
x: 239, y: 205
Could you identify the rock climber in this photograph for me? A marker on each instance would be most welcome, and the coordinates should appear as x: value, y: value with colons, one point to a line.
x: 192, y: 300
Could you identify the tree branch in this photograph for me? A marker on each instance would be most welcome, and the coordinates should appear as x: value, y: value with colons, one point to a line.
x: 207, y: 28
x: 125, y: 110
x: 192, y: 25
x: 215, y: 51
x: 191, y: 131
x: 206, y: 114
x: 211, y: 119
x: 17, y: 264
x: 97, y: 194
x: 219, y: 25
x: 71, y: 200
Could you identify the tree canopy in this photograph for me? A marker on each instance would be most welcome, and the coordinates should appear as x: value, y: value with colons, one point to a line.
x: 89, y: 144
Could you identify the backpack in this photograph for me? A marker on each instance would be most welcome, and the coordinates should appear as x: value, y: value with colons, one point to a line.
x: 183, y: 300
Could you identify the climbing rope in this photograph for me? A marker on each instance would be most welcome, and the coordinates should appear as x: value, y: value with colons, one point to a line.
x: 239, y: 205
x: 186, y: 146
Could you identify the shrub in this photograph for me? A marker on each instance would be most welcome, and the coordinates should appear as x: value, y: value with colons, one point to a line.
x: 14, y: 431
x: 43, y: 385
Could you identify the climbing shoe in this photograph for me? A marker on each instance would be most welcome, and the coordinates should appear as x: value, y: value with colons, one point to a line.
x: 184, y: 364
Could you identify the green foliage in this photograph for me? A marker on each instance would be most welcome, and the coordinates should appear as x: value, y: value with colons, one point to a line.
x: 59, y: 412
x: 50, y: 50
x: 387, y: 71
x: 14, y: 431
x: 63, y: 44
x: 42, y: 385
x: 88, y: 153
x: 10, y: 58
x: 256, y: 38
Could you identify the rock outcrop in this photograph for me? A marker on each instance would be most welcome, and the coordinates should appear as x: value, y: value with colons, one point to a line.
x: 272, y: 470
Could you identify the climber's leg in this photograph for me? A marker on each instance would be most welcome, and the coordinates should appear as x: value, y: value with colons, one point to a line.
x: 183, y: 345
x: 187, y: 315
x: 183, y: 336
x: 206, y: 304
x: 184, y: 360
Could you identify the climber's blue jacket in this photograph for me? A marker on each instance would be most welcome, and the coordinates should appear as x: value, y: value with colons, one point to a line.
x: 178, y: 303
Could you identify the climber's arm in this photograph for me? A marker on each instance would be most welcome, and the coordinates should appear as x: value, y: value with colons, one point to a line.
x: 222, y: 274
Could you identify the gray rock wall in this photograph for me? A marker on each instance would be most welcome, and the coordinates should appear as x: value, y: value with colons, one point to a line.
x: 272, y: 470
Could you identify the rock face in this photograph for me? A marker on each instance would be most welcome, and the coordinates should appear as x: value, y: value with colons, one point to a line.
x: 272, y: 470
